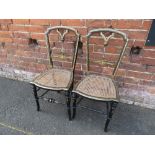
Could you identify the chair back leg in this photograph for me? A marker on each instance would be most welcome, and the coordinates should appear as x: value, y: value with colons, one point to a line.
x: 36, y: 97
x: 74, y: 97
x: 68, y: 100
x: 110, y: 106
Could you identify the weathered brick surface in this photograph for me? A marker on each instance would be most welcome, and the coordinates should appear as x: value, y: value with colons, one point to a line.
x: 136, y: 77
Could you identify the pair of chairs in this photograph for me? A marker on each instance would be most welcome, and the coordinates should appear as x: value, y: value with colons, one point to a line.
x: 92, y: 86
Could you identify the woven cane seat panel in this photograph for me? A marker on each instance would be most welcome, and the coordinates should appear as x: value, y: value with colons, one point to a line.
x: 54, y: 78
x: 98, y: 87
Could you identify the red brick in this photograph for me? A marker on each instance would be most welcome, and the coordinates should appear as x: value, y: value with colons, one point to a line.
x: 19, y: 53
x: 133, y: 67
x: 98, y: 41
x: 6, y: 40
x: 43, y: 61
x: 24, y: 47
x: 64, y: 45
x: 113, y: 49
x: 6, y: 34
x: 130, y: 43
x: 39, y: 67
x: 4, y: 27
x: 153, y: 77
x: 21, y: 41
x: 28, y: 59
x: 149, y: 53
x: 148, y: 61
x: 110, y: 57
x: 57, y: 63
x: 138, y: 35
x: 10, y: 46
x: 54, y: 38
x: 127, y: 24
x: 18, y: 28
x: 99, y: 49
x: 107, y: 70
x: 139, y: 43
x: 5, y: 21
x: 21, y: 21
x: 149, y: 47
x: 42, y: 50
x: 98, y: 23
x: 82, y: 31
x: 22, y: 35
x: 140, y: 75
x: 121, y: 72
x: 96, y: 55
x: 96, y: 62
x: 116, y: 42
x: 22, y: 28
x: 54, y: 22
x: 38, y: 36
x: 136, y: 59
x: 41, y: 43
x: 131, y: 86
x: 91, y: 49
x: 78, y: 66
x: 73, y: 22
x: 67, y: 64
x: 39, y: 55
x: 146, y: 24
x: 147, y: 82
x: 151, y: 69
x: 38, y: 29
x: 130, y: 80
x: 95, y: 69
x: 39, y: 21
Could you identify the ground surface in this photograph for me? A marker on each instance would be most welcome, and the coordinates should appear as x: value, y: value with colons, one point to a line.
x: 18, y: 115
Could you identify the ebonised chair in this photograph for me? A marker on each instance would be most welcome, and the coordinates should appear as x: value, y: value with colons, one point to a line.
x: 57, y: 79
x: 99, y: 87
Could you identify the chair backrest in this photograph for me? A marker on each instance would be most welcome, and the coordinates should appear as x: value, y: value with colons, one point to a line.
x: 101, y: 32
x: 62, y: 31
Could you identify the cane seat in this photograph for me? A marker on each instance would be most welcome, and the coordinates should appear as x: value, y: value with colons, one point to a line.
x: 56, y: 79
x: 97, y: 87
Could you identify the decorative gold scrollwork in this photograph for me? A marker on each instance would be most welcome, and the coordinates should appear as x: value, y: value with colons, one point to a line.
x: 106, y: 39
x: 62, y: 35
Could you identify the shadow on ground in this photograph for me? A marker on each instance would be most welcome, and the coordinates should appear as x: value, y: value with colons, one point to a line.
x: 18, y: 115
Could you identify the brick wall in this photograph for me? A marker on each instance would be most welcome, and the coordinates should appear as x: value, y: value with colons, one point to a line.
x: 21, y: 59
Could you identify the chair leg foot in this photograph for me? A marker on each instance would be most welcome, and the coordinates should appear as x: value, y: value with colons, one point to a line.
x: 68, y: 100
x: 106, y: 125
x: 74, y: 105
x: 36, y: 97
x: 109, y: 115
x: 110, y: 108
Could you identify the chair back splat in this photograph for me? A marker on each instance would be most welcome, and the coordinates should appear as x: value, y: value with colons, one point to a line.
x: 101, y: 32
x: 62, y: 31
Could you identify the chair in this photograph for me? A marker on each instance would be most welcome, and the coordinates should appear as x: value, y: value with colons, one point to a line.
x: 57, y: 79
x: 98, y: 87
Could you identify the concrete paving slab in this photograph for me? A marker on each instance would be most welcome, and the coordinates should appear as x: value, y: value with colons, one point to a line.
x: 18, y: 110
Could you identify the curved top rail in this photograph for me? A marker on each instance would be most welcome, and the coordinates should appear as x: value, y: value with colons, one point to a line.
x: 61, y: 27
x: 107, y: 30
